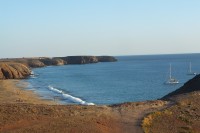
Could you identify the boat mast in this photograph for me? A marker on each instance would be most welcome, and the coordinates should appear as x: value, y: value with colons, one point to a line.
x: 190, y: 70
x: 170, y: 72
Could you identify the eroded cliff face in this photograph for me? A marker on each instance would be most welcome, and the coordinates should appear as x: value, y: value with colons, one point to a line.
x: 18, y: 68
x: 57, y: 61
x: 53, y: 61
x: 87, y: 59
x: 10, y: 70
x: 34, y: 63
x: 106, y: 59
x: 80, y: 59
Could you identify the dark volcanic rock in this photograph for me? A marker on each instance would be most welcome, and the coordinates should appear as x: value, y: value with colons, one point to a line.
x: 46, y: 61
x: 190, y: 86
x: 81, y: 59
x: 106, y: 59
x: 13, y: 71
x: 87, y: 59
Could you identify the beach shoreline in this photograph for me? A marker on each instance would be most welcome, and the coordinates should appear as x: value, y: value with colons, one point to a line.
x: 14, y: 91
x: 22, y: 110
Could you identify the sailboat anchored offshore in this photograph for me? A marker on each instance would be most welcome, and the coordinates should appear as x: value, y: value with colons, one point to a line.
x: 171, y: 80
x: 190, y: 70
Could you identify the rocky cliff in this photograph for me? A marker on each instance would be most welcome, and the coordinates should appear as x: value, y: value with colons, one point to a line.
x: 18, y: 68
x: 52, y: 61
x: 87, y: 59
x: 106, y: 59
x: 81, y: 59
x: 45, y: 61
x: 10, y: 70
x: 34, y: 63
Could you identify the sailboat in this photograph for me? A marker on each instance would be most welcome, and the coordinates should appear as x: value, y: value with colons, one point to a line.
x: 190, y: 70
x: 171, y: 80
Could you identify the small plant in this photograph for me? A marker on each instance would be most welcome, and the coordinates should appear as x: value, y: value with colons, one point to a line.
x: 147, y: 121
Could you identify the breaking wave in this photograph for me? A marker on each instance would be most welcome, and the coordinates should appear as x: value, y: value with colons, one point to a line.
x: 71, y: 98
x: 33, y: 75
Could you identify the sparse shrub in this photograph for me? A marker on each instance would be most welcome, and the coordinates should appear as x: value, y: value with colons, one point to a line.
x: 147, y: 121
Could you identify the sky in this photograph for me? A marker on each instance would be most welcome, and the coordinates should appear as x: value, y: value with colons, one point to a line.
x: 32, y: 28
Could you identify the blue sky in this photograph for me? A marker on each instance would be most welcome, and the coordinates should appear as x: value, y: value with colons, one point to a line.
x: 98, y: 27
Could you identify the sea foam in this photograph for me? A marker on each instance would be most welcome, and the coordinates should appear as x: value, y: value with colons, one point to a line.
x: 71, y: 98
x: 33, y: 75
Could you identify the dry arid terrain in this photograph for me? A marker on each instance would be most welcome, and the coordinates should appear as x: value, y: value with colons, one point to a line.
x: 22, y: 111
x: 182, y: 117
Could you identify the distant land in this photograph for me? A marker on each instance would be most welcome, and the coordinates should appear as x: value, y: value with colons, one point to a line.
x: 17, y: 68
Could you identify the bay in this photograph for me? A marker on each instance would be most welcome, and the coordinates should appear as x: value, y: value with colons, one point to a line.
x: 131, y: 78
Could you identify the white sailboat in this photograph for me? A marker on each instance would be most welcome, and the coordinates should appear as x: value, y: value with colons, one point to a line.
x: 171, y: 80
x: 190, y: 70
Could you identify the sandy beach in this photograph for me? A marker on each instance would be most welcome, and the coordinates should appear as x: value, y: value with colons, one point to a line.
x: 23, y: 111
x: 11, y: 92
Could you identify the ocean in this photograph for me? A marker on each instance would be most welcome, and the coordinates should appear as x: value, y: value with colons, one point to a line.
x: 130, y: 79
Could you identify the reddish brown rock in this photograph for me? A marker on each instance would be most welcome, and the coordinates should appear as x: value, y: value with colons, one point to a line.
x: 58, y: 62
x: 53, y: 61
x: 1, y: 74
x: 35, y: 63
x: 13, y: 71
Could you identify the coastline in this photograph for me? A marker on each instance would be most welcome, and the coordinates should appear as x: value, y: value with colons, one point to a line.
x: 32, y: 114
x: 11, y: 92
x: 23, y: 111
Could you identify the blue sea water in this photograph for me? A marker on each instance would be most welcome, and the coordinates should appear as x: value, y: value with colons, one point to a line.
x: 131, y: 78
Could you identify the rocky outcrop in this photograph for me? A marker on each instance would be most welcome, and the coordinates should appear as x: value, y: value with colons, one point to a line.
x: 190, y: 86
x: 87, y: 59
x: 13, y: 71
x: 18, y: 68
x: 58, y: 62
x: 106, y: 59
x: 81, y: 59
x: 53, y: 61
x: 35, y: 63
x: 44, y: 61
